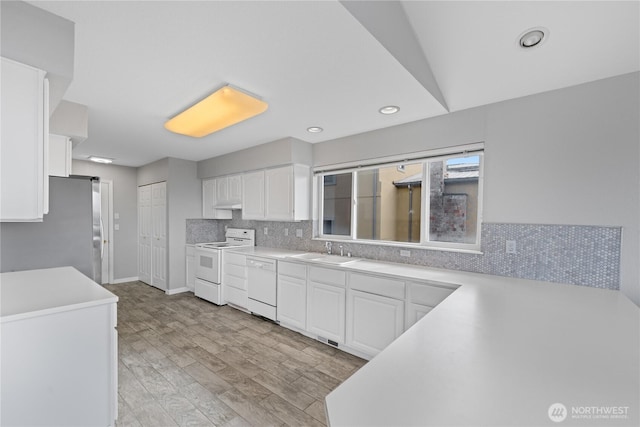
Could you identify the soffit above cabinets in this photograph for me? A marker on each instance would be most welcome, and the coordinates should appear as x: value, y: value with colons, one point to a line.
x: 322, y: 63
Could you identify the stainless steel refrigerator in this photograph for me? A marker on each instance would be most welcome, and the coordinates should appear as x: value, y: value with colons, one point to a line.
x: 69, y: 235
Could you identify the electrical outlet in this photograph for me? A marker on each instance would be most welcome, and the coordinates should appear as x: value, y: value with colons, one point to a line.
x: 116, y: 227
x: 116, y: 215
x: 299, y: 232
x: 405, y: 253
x: 266, y: 231
x: 510, y: 246
x: 286, y: 231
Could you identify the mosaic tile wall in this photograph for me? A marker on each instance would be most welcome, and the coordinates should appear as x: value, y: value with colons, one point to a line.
x: 580, y: 255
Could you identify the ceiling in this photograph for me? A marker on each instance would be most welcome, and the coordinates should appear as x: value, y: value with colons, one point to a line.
x: 322, y: 63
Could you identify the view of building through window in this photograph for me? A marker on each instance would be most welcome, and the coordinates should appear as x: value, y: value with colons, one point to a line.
x: 453, y: 199
x: 387, y: 202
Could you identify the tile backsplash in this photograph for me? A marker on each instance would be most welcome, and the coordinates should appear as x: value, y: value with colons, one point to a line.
x: 576, y: 254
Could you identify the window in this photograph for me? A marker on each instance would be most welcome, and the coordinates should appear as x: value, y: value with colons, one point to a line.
x: 432, y: 201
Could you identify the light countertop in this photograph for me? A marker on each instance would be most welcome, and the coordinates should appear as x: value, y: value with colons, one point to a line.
x: 31, y: 293
x: 497, y: 351
x: 501, y: 351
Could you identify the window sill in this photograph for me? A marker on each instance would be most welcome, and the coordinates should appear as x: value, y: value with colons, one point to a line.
x: 398, y: 245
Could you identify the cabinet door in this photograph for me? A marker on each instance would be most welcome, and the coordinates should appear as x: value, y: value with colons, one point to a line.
x: 292, y: 301
x: 278, y: 204
x: 415, y: 312
x: 235, y: 189
x: 24, y: 177
x: 144, y: 234
x: 222, y: 190
x: 59, y: 155
x: 159, y: 235
x: 208, y: 198
x: 190, y: 267
x: 326, y: 311
x: 253, y: 195
x: 209, y: 201
x: 373, y: 321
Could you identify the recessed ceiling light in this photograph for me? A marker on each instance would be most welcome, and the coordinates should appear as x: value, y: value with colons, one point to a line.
x: 533, y: 37
x: 389, y: 109
x: 314, y: 129
x: 97, y: 159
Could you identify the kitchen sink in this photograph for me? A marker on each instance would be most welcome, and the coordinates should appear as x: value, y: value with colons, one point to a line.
x: 325, y: 259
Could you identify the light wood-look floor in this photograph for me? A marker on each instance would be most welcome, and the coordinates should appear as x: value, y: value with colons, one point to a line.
x: 186, y: 362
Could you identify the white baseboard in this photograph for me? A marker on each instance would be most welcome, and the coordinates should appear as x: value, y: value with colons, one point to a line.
x: 177, y: 291
x: 125, y: 280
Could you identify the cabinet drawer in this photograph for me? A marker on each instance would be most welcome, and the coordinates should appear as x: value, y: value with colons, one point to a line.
x: 377, y: 285
x: 292, y: 269
x: 235, y: 270
x: 236, y: 297
x: 231, y: 258
x: 235, y: 282
x: 422, y: 293
x: 328, y: 276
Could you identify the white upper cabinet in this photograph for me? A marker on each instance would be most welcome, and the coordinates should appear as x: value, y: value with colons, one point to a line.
x: 24, y: 179
x: 253, y: 195
x: 59, y: 155
x: 210, y: 201
x: 279, y: 194
x: 235, y: 189
x: 228, y: 191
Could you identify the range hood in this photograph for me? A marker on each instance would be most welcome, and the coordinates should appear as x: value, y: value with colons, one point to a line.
x: 229, y: 207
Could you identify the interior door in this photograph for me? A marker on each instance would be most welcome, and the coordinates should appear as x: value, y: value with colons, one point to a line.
x: 105, y: 215
x: 144, y: 234
x: 159, y: 235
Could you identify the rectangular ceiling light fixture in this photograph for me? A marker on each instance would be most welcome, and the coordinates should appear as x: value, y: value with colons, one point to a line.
x: 97, y: 159
x: 224, y: 107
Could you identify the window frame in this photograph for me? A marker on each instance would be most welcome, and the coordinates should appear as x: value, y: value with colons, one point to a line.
x: 426, y: 158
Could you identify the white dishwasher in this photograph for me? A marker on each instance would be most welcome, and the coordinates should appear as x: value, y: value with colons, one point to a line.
x: 261, y: 286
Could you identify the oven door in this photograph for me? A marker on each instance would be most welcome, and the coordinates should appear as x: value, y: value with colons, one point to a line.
x: 208, y: 264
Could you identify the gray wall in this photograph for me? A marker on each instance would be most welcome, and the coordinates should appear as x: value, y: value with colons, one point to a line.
x: 125, y: 203
x: 41, y: 39
x: 281, y: 152
x: 184, y: 200
x: 544, y: 158
x: 154, y: 172
x: 63, y: 238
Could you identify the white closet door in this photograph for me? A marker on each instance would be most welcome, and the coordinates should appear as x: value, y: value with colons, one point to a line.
x: 144, y: 234
x: 159, y: 235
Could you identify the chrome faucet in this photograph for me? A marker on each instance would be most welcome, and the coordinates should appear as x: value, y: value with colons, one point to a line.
x: 328, y: 246
x: 341, y: 251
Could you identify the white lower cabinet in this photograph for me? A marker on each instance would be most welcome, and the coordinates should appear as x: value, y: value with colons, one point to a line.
x: 357, y: 311
x: 59, y: 354
x: 375, y: 312
x: 190, y: 267
x: 326, y: 311
x: 421, y: 298
x: 373, y: 321
x: 292, y: 295
x: 234, y: 279
x: 326, y: 300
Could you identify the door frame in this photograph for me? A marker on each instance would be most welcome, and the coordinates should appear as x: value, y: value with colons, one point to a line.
x: 109, y: 231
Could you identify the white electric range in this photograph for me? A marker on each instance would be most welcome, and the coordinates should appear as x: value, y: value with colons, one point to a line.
x: 209, y: 262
